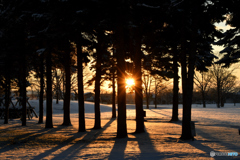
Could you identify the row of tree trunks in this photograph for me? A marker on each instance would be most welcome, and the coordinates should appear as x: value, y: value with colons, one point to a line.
x: 66, y: 117
x: 22, y: 84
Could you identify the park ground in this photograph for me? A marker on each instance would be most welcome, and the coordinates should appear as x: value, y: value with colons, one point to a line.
x: 216, y: 130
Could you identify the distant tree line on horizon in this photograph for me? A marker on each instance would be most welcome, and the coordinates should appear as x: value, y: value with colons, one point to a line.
x: 124, y: 38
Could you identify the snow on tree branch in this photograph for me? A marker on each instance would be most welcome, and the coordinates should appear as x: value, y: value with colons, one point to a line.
x: 176, y: 4
x: 148, y: 6
x: 40, y: 51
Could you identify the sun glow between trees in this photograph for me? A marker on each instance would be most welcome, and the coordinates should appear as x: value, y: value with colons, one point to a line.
x: 130, y: 82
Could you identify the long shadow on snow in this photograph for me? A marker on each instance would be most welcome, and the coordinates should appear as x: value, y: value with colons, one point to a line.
x: 148, y: 152
x: 206, y: 149
x: 196, y: 143
x: 211, y: 139
x: 25, y: 138
x: 160, y: 113
x: 85, y: 138
x: 119, y: 147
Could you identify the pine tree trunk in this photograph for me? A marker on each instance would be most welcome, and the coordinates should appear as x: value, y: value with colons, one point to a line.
x: 203, y: 99
x: 147, y: 99
x: 138, y: 96
x: 222, y: 101
x: 49, y: 111
x: 138, y: 85
x: 188, y: 91
x: 155, y: 99
x: 57, y: 86
x: 66, y: 103
x: 97, y: 124
x: 121, y: 121
x: 81, y: 109
x: 7, y: 98
x: 113, y: 95
x: 186, y: 126
x: 175, y: 90
x: 218, y: 93
x: 41, y: 91
x: 63, y: 85
x: 23, y: 86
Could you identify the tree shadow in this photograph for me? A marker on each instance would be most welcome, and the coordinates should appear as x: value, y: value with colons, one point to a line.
x: 160, y: 113
x: 147, y: 152
x: 146, y: 147
x: 118, y: 149
x: 22, y: 139
x: 203, y: 146
x: 75, y: 143
x: 210, y: 139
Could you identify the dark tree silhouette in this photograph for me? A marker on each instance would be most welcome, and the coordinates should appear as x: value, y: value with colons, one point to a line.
x: 120, y: 54
x: 175, y: 89
x: 66, y: 104
x: 41, y: 89
x: 113, y: 90
x: 49, y: 112
x: 81, y: 109
x: 23, y: 83
x: 138, y: 83
x: 99, y: 54
x: 7, y: 93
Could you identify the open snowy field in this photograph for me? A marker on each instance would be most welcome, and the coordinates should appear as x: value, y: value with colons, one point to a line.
x: 216, y: 129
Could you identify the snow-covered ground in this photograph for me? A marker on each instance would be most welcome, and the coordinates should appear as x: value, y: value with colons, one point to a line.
x: 216, y: 129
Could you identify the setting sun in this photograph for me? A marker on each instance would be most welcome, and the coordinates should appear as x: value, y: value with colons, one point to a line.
x: 130, y: 82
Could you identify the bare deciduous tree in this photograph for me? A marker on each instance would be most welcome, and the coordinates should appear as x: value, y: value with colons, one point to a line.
x: 223, y: 80
x: 203, y: 81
